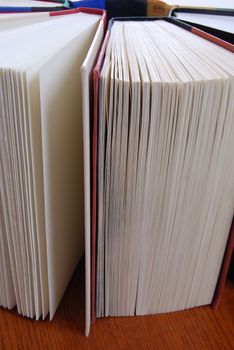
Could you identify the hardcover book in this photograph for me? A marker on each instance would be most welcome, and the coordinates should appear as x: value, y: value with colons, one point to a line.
x: 219, y: 23
x: 45, y: 5
x: 162, y: 197
x: 44, y: 71
x: 32, y: 6
x: 164, y: 8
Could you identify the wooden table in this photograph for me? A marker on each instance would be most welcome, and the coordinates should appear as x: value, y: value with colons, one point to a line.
x: 201, y: 328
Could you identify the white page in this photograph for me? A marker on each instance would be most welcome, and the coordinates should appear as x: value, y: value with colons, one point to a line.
x: 32, y: 82
x: 10, y: 21
x: 36, y: 149
x: 61, y: 111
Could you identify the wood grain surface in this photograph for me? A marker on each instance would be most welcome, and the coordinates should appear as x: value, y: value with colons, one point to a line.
x: 200, y: 328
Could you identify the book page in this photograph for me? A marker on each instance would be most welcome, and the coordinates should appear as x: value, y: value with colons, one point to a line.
x: 62, y: 145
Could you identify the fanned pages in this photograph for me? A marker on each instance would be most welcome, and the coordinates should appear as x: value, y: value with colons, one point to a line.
x: 165, y: 168
x: 41, y: 159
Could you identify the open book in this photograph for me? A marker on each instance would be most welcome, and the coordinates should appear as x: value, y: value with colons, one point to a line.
x: 42, y: 139
x: 164, y: 169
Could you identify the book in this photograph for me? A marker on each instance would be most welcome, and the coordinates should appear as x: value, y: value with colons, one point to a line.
x: 164, y: 8
x: 32, y: 6
x: 162, y: 197
x: 45, y: 6
x: 43, y: 184
x: 219, y: 23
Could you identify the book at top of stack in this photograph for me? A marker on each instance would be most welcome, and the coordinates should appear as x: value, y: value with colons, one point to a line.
x: 44, y: 5
x: 164, y: 8
x: 32, y: 6
x: 219, y: 23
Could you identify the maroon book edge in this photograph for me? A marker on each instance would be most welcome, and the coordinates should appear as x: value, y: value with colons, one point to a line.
x: 81, y: 9
x: 228, y: 46
x: 213, y: 38
x: 96, y: 74
x: 224, y: 269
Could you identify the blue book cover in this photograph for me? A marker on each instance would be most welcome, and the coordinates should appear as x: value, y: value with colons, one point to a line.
x: 96, y: 4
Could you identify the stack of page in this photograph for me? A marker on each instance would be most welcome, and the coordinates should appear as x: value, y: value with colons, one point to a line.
x: 165, y: 168
x: 42, y: 140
